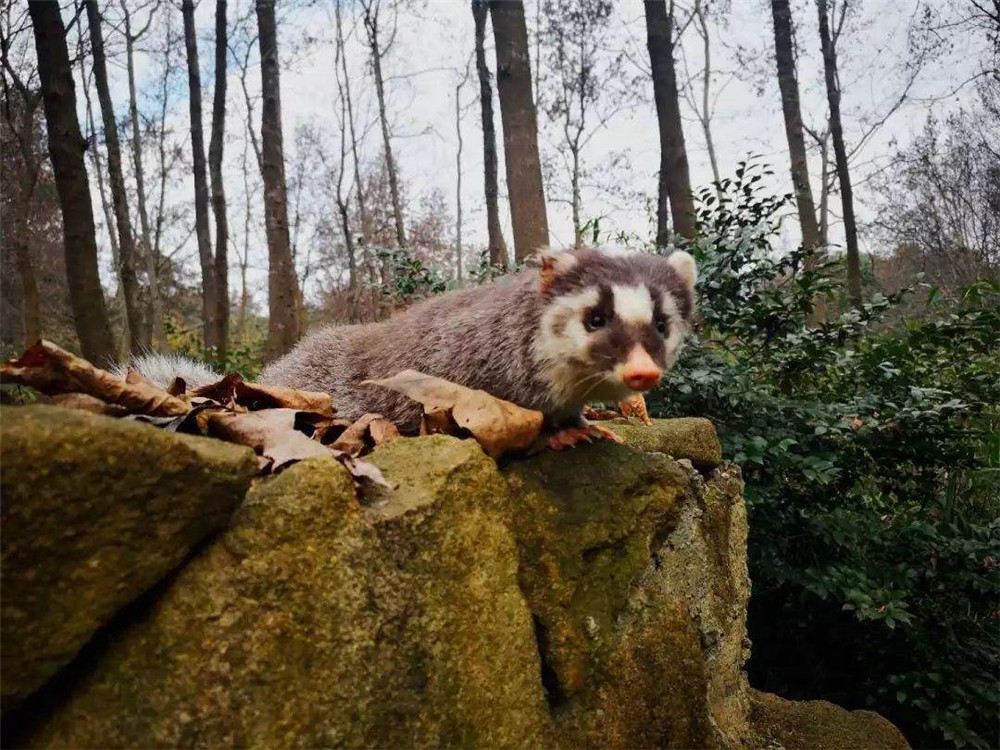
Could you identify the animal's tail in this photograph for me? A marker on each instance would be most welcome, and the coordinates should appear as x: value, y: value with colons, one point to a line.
x: 163, y: 368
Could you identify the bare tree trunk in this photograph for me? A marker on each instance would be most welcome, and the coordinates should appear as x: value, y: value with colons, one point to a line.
x: 244, y: 259
x: 371, y: 20
x: 362, y: 210
x: 789, y: 85
x: 675, y: 180
x: 458, y: 179
x: 218, y: 187
x: 520, y: 129
x: 828, y: 46
x: 343, y: 205
x: 284, y: 300
x: 155, y: 316
x: 66, y: 147
x: 705, y: 117
x: 123, y: 221
x: 497, y: 245
x: 21, y: 121
x: 118, y: 307
x: 574, y: 150
x: 209, y: 287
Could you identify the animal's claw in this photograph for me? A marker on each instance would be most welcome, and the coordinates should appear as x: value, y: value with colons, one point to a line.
x: 571, y: 436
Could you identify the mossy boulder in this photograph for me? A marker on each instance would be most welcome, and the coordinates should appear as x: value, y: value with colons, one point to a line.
x: 94, y: 512
x: 592, y: 598
x: 315, y: 622
x: 692, y: 438
x: 818, y: 725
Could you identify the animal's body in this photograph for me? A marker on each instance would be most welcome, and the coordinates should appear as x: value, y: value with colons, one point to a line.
x: 589, y: 326
x: 524, y: 338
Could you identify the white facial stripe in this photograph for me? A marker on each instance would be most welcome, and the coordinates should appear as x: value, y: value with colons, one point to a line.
x: 633, y: 304
x: 677, y: 325
x: 562, y: 344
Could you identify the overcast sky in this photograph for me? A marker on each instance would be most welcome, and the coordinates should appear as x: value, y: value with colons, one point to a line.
x: 433, y: 48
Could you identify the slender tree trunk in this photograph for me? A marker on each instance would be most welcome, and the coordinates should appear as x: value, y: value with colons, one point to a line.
x: 284, y: 300
x: 789, y: 85
x: 520, y: 128
x: 119, y: 199
x: 575, y: 190
x: 371, y: 20
x: 840, y: 155
x: 66, y: 147
x: 342, y: 201
x: 209, y: 286
x: 118, y: 306
x: 362, y: 210
x: 675, y: 180
x: 497, y: 245
x: 23, y: 215
x: 458, y: 180
x: 218, y: 187
x: 824, y: 195
x: 155, y: 317
x: 706, y: 85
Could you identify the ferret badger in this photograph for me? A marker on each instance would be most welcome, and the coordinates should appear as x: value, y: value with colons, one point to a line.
x: 587, y: 326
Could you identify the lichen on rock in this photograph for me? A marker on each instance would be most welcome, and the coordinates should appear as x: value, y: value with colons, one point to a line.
x: 95, y: 511
x: 593, y: 598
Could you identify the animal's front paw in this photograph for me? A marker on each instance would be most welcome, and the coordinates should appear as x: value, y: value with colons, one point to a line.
x: 570, y: 436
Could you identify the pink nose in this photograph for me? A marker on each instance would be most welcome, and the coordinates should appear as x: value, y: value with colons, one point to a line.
x: 642, y: 380
x: 640, y: 372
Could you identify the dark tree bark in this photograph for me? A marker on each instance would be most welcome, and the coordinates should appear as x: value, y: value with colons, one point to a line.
x: 675, y: 180
x: 218, y: 188
x: 284, y: 299
x: 829, y: 48
x: 497, y: 245
x: 209, y: 287
x: 155, y: 319
x: 19, y: 111
x: 66, y: 147
x: 116, y: 177
x: 789, y: 85
x: 520, y: 128
x: 371, y: 20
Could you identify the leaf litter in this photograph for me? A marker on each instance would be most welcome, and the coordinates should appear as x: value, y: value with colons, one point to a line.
x: 281, y: 425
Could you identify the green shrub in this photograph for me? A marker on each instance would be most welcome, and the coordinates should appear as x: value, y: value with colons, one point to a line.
x: 871, y: 453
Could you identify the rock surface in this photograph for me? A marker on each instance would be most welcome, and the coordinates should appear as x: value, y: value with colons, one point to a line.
x: 594, y: 598
x: 95, y: 511
x: 818, y: 725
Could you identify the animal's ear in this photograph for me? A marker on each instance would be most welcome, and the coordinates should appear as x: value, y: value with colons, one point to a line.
x: 683, y: 264
x: 552, y: 264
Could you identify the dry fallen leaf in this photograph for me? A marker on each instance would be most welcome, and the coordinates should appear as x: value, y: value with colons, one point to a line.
x: 85, y: 402
x: 233, y: 389
x: 54, y: 371
x: 367, y: 432
x: 272, y: 435
x: 635, y: 406
x: 498, y: 425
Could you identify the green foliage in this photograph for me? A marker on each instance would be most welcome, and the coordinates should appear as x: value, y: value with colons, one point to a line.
x: 245, y: 355
x: 411, y: 279
x: 872, y: 459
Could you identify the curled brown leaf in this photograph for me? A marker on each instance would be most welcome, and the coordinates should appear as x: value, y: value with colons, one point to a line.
x: 233, y: 389
x: 498, y: 425
x: 53, y: 371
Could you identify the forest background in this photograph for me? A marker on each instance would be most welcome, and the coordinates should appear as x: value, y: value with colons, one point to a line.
x: 218, y: 178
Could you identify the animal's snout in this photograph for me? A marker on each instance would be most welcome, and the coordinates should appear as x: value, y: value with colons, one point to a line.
x: 640, y: 372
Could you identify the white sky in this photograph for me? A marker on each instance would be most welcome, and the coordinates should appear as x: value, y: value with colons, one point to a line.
x: 434, y: 45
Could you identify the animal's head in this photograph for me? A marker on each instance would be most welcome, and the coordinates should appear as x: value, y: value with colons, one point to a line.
x: 612, y: 323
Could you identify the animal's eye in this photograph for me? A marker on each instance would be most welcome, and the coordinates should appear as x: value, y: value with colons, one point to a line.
x: 661, y: 325
x: 595, y: 320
